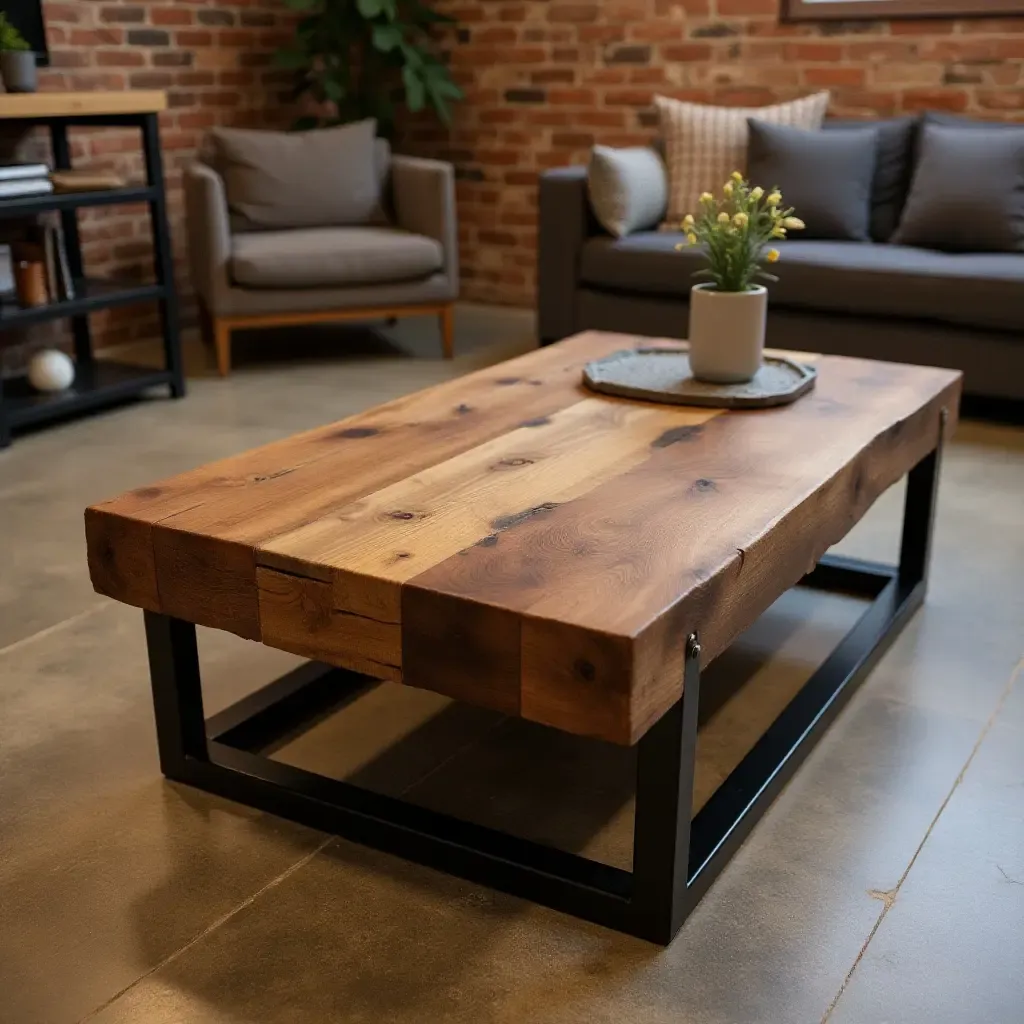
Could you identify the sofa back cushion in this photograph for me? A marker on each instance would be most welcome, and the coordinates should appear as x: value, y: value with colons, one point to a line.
x: 968, y: 191
x: 628, y: 188
x: 325, y: 177
x: 894, y: 165
x: 825, y: 176
x: 705, y: 144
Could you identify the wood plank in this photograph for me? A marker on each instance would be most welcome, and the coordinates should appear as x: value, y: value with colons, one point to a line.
x: 250, y: 497
x: 301, y: 618
x: 369, y: 548
x: 68, y: 104
x: 703, y: 535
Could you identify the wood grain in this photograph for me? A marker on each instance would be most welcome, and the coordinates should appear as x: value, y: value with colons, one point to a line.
x: 704, y: 535
x: 67, y: 104
x: 512, y: 540
x: 249, y: 498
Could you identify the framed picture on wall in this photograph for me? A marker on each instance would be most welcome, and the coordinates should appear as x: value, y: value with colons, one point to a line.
x: 830, y: 10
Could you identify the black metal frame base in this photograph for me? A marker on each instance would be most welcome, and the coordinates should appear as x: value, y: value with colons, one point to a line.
x: 675, y: 858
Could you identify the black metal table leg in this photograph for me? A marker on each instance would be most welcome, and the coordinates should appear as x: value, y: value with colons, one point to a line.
x: 163, y: 256
x: 666, y: 758
x: 919, y: 514
x: 177, y: 693
x: 81, y: 332
x: 675, y: 859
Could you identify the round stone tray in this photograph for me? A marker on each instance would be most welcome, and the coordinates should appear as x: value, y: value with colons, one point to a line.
x: 664, y: 375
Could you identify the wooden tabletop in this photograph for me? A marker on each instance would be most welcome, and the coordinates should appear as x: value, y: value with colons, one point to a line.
x: 72, y: 104
x: 515, y: 541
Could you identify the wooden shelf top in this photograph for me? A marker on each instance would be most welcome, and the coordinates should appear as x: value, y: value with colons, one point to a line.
x: 69, y: 104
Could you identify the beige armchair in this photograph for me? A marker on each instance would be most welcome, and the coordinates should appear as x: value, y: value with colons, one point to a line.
x: 408, y: 266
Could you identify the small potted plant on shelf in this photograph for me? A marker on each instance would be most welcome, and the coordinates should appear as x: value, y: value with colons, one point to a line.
x: 728, y: 313
x: 17, y: 61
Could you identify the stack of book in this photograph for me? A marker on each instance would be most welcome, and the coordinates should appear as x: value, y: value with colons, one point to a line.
x: 17, y: 180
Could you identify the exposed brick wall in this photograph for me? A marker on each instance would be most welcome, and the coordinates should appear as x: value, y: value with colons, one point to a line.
x: 545, y: 80
x: 212, y: 58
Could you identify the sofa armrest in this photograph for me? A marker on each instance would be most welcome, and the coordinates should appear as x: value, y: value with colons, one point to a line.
x: 209, y: 234
x: 565, y: 223
x: 423, y: 195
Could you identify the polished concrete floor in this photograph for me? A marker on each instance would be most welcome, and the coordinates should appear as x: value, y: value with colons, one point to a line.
x: 885, y: 885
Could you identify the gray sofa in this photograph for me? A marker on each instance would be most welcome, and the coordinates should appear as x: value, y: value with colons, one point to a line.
x: 877, y: 300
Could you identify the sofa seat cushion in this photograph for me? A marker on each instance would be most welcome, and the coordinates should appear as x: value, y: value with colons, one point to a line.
x: 330, y: 257
x: 984, y: 290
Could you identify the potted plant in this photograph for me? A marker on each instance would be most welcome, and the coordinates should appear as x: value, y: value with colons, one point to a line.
x: 17, y: 61
x: 359, y: 56
x: 728, y: 313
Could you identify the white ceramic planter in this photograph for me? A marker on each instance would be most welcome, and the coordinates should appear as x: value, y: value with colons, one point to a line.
x: 726, y: 333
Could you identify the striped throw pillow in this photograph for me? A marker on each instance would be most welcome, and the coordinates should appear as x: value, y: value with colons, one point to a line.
x: 704, y: 144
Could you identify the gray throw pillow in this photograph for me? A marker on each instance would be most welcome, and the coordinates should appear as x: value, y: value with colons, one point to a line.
x: 825, y: 176
x: 968, y: 191
x: 326, y: 177
x: 894, y: 167
x: 628, y: 188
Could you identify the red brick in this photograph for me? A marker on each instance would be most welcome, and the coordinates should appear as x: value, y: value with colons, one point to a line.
x: 834, y: 76
x: 573, y: 12
x: 119, y: 58
x: 629, y: 97
x: 171, y: 16
x: 935, y: 99
x: 747, y: 8
x: 572, y: 97
x: 686, y: 52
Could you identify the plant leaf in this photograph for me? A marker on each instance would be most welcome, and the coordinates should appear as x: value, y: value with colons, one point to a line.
x: 415, y: 94
x: 386, y: 37
x: 292, y: 59
x: 333, y: 89
x: 370, y: 8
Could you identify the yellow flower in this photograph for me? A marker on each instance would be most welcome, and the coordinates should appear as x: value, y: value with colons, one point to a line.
x: 706, y: 197
x: 691, y: 238
x: 740, y: 220
x: 774, y: 199
x: 778, y: 232
x: 723, y: 218
x: 794, y: 224
x: 736, y: 176
x: 727, y: 189
x: 688, y: 221
x: 772, y: 256
x: 756, y: 192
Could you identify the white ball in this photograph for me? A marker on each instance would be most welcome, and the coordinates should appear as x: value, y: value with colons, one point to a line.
x: 51, y: 370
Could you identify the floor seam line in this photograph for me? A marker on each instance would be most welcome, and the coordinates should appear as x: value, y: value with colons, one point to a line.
x: 889, y: 896
x: 209, y: 929
x: 47, y: 630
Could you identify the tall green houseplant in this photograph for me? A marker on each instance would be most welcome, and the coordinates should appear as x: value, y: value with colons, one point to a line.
x: 366, y: 57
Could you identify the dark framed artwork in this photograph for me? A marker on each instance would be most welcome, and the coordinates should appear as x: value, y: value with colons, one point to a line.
x: 846, y: 10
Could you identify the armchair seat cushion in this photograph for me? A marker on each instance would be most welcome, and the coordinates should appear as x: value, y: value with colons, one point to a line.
x: 329, y: 257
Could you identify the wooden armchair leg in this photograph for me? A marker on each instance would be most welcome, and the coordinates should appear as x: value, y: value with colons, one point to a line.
x: 448, y: 331
x: 222, y: 344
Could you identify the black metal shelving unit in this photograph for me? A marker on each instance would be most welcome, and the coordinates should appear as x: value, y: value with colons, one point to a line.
x: 98, y: 382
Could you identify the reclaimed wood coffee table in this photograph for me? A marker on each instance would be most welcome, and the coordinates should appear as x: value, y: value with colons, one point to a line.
x: 511, y: 540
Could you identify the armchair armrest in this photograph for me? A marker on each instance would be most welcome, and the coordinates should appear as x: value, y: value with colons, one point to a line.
x: 423, y: 193
x: 209, y: 234
x: 565, y: 223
